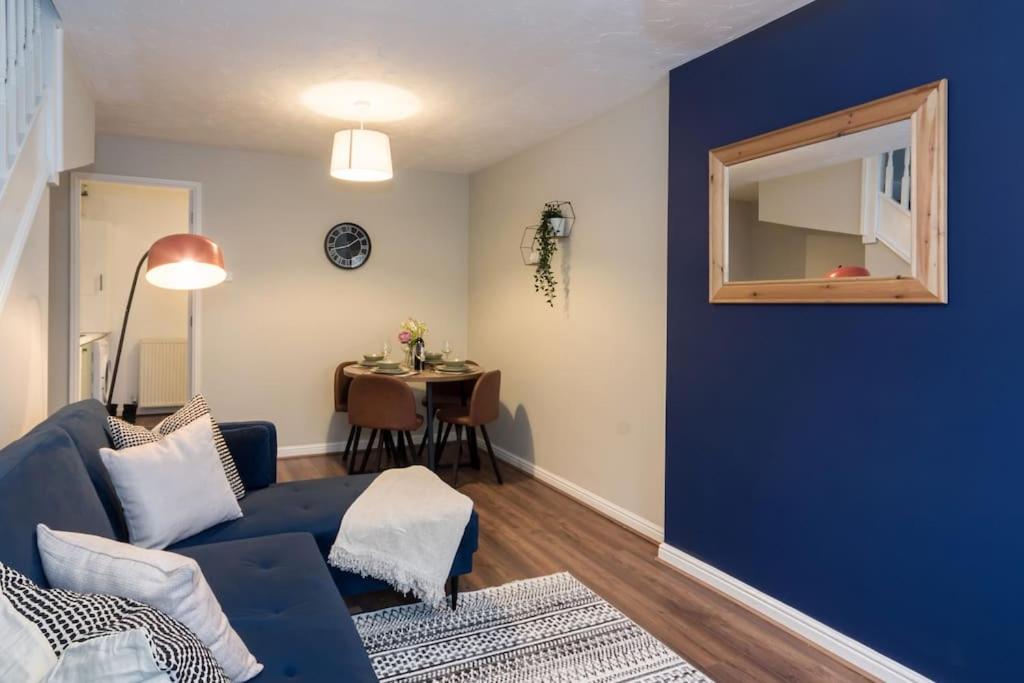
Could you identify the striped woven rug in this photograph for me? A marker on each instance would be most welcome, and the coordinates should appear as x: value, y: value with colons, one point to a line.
x: 552, y: 628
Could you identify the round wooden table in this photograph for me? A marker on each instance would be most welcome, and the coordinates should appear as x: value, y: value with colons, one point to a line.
x: 429, y: 377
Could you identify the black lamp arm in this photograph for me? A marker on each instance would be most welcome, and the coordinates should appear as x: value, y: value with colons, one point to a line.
x: 120, y: 342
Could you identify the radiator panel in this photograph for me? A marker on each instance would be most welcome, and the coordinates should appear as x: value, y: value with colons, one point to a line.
x: 163, y: 373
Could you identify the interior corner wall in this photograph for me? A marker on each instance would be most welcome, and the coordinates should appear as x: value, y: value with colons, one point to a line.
x: 272, y: 336
x: 78, y: 114
x: 872, y: 486
x: 23, y: 334
x: 583, y: 383
x: 60, y: 274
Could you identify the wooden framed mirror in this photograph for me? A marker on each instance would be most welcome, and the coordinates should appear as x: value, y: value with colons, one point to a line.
x: 845, y: 208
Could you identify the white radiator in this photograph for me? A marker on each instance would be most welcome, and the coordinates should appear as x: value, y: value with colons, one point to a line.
x: 163, y: 373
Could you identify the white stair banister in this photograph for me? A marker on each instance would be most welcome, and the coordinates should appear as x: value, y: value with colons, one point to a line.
x: 3, y: 91
x: 10, y: 87
x: 905, y: 181
x: 23, y: 74
x: 888, y: 182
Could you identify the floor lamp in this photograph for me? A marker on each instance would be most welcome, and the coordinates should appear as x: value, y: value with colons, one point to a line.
x: 183, y: 261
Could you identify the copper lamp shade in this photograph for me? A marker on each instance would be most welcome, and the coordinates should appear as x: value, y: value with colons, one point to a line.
x: 185, y: 261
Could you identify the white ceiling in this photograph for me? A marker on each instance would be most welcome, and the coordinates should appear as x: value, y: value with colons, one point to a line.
x: 744, y: 177
x: 494, y: 76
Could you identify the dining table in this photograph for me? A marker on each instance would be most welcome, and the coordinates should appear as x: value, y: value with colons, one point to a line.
x: 429, y: 376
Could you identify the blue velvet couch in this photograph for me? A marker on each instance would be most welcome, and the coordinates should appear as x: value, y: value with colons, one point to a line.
x: 267, y: 569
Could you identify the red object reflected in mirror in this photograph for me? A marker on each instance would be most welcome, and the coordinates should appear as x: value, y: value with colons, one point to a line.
x: 849, y: 271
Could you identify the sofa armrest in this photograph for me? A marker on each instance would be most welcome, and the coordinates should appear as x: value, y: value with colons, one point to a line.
x: 253, y: 445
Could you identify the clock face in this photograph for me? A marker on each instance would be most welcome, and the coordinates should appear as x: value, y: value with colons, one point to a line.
x: 347, y: 246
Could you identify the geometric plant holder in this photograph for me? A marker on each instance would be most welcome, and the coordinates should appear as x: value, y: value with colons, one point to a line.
x: 528, y: 242
x: 528, y: 246
x: 568, y: 214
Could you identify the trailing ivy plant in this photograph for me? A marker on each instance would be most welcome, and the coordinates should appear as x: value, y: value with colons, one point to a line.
x: 544, y: 278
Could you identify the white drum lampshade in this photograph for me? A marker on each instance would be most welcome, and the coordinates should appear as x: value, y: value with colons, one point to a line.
x: 361, y: 155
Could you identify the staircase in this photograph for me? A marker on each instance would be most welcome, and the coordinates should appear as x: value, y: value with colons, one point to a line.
x: 30, y: 44
x: 885, y: 202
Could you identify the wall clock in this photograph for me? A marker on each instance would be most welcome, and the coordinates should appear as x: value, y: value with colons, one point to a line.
x: 347, y: 246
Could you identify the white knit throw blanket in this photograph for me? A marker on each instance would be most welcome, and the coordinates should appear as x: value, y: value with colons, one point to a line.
x: 404, y: 529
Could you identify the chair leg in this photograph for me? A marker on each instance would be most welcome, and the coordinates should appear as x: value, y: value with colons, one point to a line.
x: 474, y: 455
x: 458, y: 457
x: 368, y: 451
x: 352, y: 449
x: 444, y: 442
x: 490, y: 451
x: 409, y: 446
x: 348, y: 443
x: 403, y: 455
x: 455, y: 592
x: 423, y: 443
x: 384, y: 452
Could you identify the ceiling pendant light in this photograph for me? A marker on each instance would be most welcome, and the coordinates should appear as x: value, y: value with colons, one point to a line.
x: 361, y: 155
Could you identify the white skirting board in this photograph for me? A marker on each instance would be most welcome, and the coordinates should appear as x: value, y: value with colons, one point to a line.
x: 323, y: 448
x: 832, y: 641
x: 311, y: 449
x: 317, y: 448
x: 617, y: 513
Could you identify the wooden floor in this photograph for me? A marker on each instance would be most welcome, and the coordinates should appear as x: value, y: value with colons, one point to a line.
x: 528, y: 529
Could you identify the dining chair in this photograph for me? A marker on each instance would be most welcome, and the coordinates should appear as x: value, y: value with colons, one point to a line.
x: 383, y: 405
x: 484, y: 404
x: 448, y: 395
x: 342, y: 385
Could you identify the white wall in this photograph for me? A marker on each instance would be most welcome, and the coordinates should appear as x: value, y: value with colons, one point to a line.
x: 77, y: 114
x: 23, y: 335
x: 583, y: 384
x: 132, y: 218
x: 823, y: 199
x: 272, y: 336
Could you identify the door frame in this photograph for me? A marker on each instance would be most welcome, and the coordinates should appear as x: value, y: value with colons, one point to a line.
x: 194, y: 297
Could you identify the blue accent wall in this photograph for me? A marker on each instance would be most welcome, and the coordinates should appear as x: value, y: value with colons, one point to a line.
x: 862, y: 463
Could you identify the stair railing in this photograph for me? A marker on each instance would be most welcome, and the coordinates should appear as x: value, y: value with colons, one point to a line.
x: 22, y: 74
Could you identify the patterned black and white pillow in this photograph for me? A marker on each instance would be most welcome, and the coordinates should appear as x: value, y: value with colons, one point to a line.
x: 125, y: 435
x: 65, y: 618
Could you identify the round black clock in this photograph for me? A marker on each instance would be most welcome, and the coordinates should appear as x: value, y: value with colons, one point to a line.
x: 347, y: 246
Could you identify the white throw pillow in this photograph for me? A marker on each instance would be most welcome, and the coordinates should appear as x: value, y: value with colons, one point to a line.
x: 25, y: 654
x: 171, y: 583
x: 172, y: 488
x: 125, y: 657
x: 126, y: 435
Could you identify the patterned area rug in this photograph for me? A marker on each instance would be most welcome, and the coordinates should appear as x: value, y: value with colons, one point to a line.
x: 552, y: 628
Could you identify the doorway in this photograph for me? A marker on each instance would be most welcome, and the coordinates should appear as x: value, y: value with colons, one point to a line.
x: 114, y: 220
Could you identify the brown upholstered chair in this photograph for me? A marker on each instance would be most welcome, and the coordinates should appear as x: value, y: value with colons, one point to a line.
x: 383, y: 405
x: 447, y: 395
x: 342, y: 383
x: 482, y: 410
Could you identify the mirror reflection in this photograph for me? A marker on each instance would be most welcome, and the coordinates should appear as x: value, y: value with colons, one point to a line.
x: 838, y: 208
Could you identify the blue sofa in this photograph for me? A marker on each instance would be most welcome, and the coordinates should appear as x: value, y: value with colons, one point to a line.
x: 267, y: 569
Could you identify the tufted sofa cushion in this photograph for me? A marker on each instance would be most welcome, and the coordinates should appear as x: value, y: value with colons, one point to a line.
x: 315, y: 506
x: 279, y: 597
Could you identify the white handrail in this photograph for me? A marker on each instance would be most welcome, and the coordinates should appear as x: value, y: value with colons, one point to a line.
x: 23, y: 76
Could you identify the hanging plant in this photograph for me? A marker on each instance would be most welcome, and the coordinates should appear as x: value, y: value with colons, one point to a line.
x: 544, y: 278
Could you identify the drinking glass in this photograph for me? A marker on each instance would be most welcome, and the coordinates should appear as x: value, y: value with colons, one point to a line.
x: 446, y: 349
x: 386, y: 348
